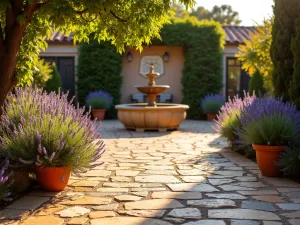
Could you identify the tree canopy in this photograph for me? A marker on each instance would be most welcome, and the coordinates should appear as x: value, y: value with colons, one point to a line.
x: 24, y: 25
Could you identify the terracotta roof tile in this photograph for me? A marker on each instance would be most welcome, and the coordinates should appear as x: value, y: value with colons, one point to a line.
x: 234, y: 35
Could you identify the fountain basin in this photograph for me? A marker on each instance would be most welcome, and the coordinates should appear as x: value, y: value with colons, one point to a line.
x: 157, y: 89
x: 142, y: 117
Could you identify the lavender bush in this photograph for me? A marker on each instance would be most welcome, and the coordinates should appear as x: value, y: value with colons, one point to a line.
x: 269, y: 121
x: 40, y: 129
x: 290, y: 161
x: 5, y: 181
x: 227, y: 120
x: 212, y: 103
x: 99, y: 100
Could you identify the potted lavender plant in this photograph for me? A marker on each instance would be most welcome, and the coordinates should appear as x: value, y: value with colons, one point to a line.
x: 46, y: 133
x: 211, y: 105
x: 99, y: 101
x: 269, y: 125
x: 5, y: 181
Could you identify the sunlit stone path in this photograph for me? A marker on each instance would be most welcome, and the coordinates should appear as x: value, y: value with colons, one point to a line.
x: 182, y: 177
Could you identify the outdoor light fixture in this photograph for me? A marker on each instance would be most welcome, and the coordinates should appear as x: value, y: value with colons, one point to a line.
x: 129, y: 56
x: 166, y: 57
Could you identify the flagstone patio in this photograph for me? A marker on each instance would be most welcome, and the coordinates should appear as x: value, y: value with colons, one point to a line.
x: 181, y: 177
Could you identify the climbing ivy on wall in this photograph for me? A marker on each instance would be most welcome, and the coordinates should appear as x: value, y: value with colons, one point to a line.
x: 99, y: 65
x: 99, y: 68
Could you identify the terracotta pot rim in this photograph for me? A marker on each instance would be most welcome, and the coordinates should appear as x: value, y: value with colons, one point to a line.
x: 52, y: 167
x: 268, y: 148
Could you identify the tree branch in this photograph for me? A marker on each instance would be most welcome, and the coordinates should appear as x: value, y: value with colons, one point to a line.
x: 80, y: 12
x: 40, y: 5
x: 117, y: 17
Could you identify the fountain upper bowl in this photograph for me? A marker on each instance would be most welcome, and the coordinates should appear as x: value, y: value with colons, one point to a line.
x: 157, y: 89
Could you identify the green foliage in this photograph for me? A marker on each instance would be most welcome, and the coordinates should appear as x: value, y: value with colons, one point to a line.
x: 255, y: 53
x: 286, y: 12
x: 230, y: 124
x: 223, y: 14
x: 256, y: 84
x: 41, y: 74
x: 290, y: 161
x: 54, y: 83
x: 294, y: 90
x: 211, y: 106
x: 40, y: 129
x: 122, y: 22
x: 98, y: 103
x: 99, y: 67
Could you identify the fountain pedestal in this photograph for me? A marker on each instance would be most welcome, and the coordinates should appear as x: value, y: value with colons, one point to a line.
x: 151, y: 115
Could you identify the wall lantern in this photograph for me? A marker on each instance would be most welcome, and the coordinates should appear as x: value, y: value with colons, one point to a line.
x: 129, y: 56
x: 166, y: 57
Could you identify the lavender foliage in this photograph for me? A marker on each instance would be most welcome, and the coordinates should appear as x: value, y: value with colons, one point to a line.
x: 47, y: 130
x: 269, y: 121
x: 227, y: 120
x: 99, y: 100
x: 212, y: 103
x: 290, y: 160
x: 5, y: 181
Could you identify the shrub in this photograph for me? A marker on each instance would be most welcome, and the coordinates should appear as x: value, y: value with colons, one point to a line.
x: 290, y: 161
x: 269, y: 121
x: 41, y: 74
x: 99, y: 67
x: 99, y: 100
x: 5, y: 181
x: 48, y: 131
x: 212, y: 103
x: 227, y: 120
x: 256, y: 84
x: 54, y: 83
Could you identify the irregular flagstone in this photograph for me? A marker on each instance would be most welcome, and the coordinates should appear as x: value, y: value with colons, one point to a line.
x: 227, y: 196
x: 206, y: 222
x: 143, y: 189
x: 127, y: 173
x: 96, y: 173
x: 157, y: 179
x: 154, y: 204
x: 246, y: 178
x: 78, y: 221
x: 121, y: 184
x: 281, y: 182
x: 140, y: 193
x: 229, y: 173
x: 212, y: 203
x: 244, y: 222
x: 85, y: 183
x: 242, y: 214
x: 48, y: 210
x: 115, y: 190
x: 294, y: 221
x: 193, y: 187
x: 108, y: 207
x: 159, y: 172
x: 289, y: 206
x: 158, y: 167
x: 191, y: 172
x: 186, y: 213
x: 283, y: 190
x: 128, y: 221
x: 220, y: 181
x: 228, y: 187
x: 268, y: 198
x: 45, y: 220
x: 101, y: 214
x: 144, y: 213
x: 258, y: 205
x: 13, y: 214
x: 73, y: 212
x: 88, y: 201
x: 174, y: 219
x: 194, y: 179
x: 28, y: 202
x: 126, y: 198
x: 251, y: 184
x: 292, y: 214
x: 272, y: 223
x: 260, y: 192
x: 177, y: 195
x: 120, y: 178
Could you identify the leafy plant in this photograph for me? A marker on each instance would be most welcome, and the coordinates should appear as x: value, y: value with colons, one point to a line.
x: 5, y: 181
x: 54, y: 83
x: 41, y: 74
x: 40, y: 129
x: 99, y: 100
x: 227, y: 120
x: 212, y: 103
x: 256, y: 84
x: 290, y: 161
x: 269, y: 121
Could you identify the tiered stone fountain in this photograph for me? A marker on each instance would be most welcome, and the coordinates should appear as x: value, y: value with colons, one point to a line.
x: 152, y: 115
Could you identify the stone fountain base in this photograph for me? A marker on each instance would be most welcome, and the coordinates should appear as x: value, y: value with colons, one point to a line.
x: 142, y: 117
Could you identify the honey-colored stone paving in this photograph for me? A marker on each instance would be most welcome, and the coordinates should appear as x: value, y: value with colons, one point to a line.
x: 182, y: 177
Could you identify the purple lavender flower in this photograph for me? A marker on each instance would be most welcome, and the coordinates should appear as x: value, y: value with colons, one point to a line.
x: 99, y: 100
x: 212, y: 103
x: 5, y: 181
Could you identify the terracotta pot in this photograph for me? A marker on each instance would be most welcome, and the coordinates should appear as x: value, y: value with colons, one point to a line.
x: 211, y: 116
x: 98, y: 114
x: 267, y: 157
x: 53, y: 178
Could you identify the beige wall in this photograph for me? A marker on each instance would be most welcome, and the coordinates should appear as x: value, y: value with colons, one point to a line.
x: 172, y: 71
